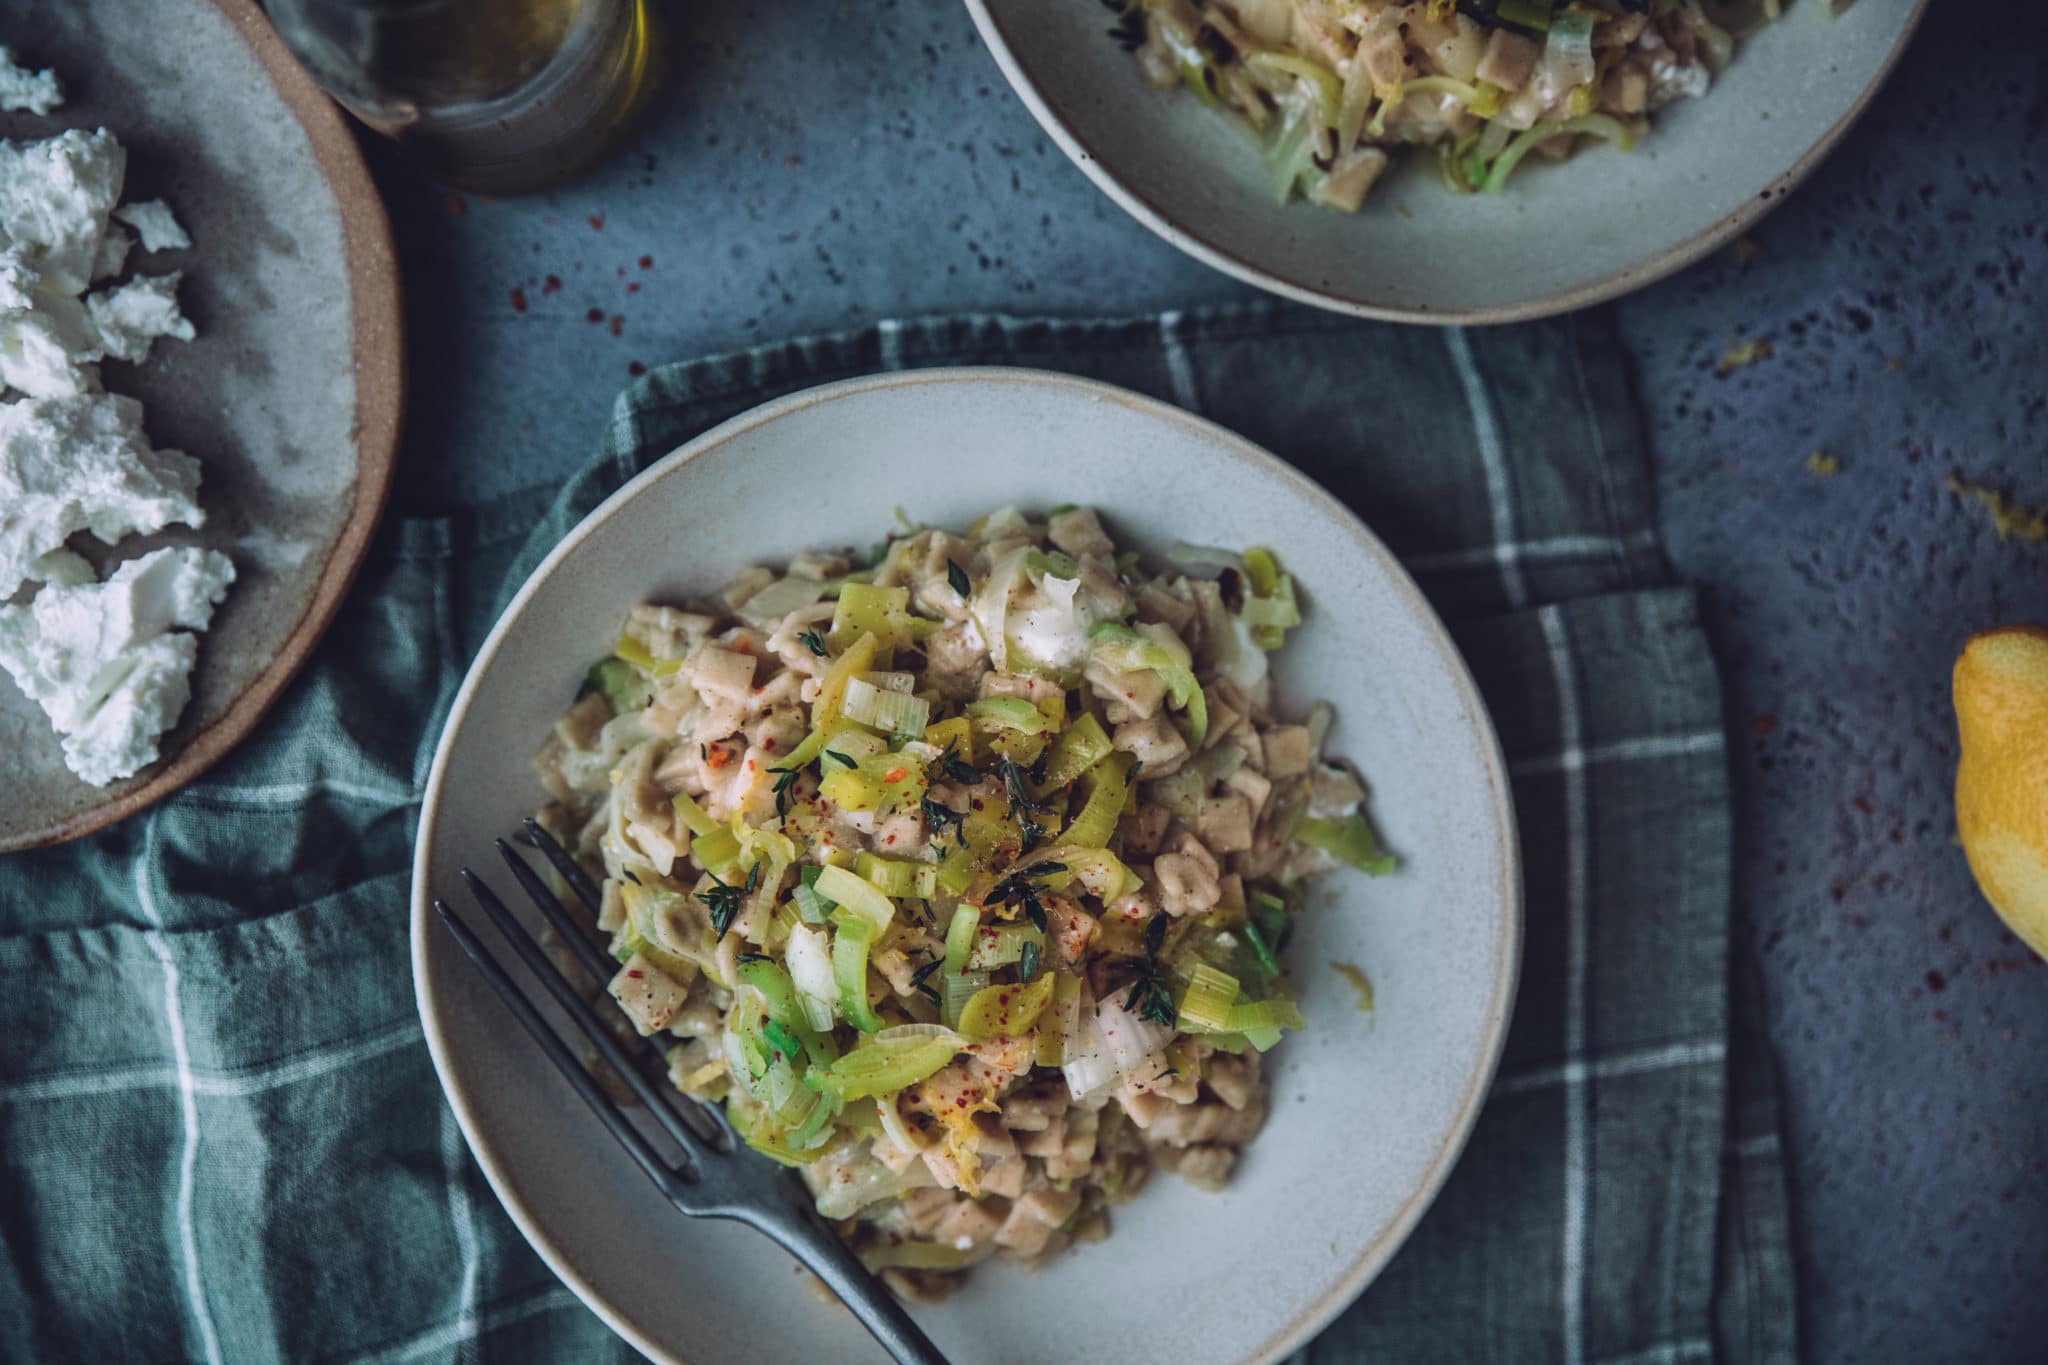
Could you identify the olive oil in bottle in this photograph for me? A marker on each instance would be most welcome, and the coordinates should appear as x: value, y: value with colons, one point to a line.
x: 490, y: 95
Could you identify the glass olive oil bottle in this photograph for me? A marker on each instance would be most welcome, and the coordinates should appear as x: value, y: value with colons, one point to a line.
x: 491, y: 95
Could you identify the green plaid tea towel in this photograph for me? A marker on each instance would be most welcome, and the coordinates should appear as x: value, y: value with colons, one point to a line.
x: 221, y: 1140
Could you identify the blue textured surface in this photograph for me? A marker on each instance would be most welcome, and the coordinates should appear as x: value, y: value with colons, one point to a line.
x: 824, y: 165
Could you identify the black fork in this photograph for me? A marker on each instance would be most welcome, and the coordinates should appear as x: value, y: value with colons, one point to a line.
x: 715, y: 1179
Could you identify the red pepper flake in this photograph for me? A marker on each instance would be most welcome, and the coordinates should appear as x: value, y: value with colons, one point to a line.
x: 1862, y: 804
x: 633, y: 288
x: 647, y: 263
x: 635, y: 368
x: 597, y: 222
x: 635, y: 974
x: 1936, y: 982
x: 618, y: 324
x: 768, y: 745
x: 551, y: 284
x: 717, y: 758
x: 1941, y: 1016
x: 455, y: 204
x: 1763, y: 722
x: 895, y: 775
x: 518, y: 300
x: 594, y: 315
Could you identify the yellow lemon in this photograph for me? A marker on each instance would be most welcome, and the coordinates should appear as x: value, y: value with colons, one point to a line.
x: 2001, y: 700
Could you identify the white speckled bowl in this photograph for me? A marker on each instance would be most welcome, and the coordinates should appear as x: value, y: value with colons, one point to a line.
x: 1561, y: 237
x: 1367, y: 1116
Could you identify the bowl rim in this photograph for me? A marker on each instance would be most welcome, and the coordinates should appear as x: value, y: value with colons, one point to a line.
x: 1625, y: 280
x: 1500, y: 1007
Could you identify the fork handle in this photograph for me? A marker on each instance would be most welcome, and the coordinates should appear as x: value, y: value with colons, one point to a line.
x: 878, y: 1310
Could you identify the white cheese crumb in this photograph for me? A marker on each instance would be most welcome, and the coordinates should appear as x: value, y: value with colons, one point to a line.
x: 110, y: 662
x: 66, y: 567
x: 35, y: 92
x: 131, y: 316
x: 154, y: 220
x: 1671, y: 80
x: 113, y: 252
x: 48, y: 352
x: 18, y: 280
x: 83, y: 464
x: 55, y: 196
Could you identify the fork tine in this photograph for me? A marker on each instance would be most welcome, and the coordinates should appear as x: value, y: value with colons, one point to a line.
x: 566, y: 865
x: 669, y: 1181
x: 594, y: 960
x: 697, y: 1144
x: 706, y: 1120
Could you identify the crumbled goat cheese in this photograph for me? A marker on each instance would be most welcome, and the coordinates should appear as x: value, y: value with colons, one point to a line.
x: 113, y: 252
x: 1671, y: 79
x: 18, y: 280
x: 129, y: 317
x: 35, y: 92
x: 44, y: 355
x: 55, y: 196
x: 154, y: 220
x: 110, y: 662
x: 83, y: 464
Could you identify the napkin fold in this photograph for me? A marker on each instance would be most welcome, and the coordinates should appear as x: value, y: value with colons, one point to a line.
x: 221, y: 1138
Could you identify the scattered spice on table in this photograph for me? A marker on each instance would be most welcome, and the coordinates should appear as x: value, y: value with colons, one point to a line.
x: 2012, y: 520
x: 1743, y: 354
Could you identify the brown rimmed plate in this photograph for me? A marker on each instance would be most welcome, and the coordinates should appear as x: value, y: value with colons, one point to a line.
x: 291, y: 395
